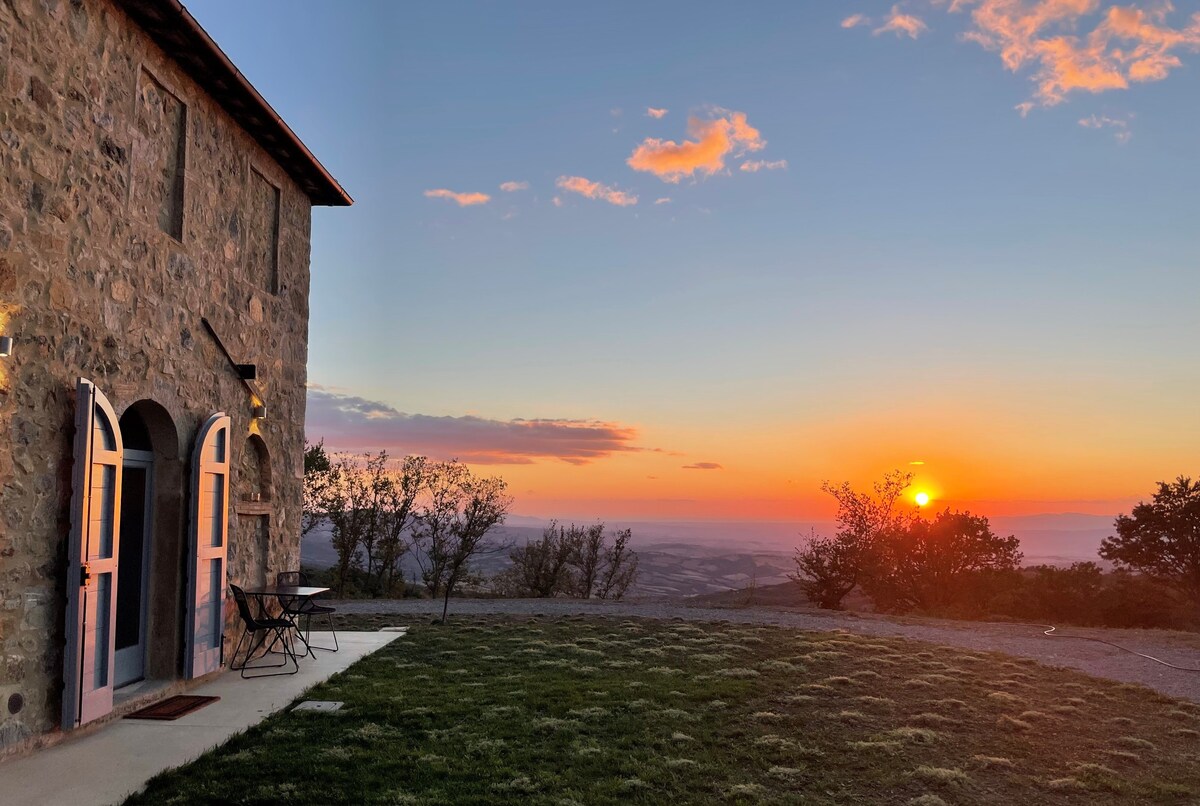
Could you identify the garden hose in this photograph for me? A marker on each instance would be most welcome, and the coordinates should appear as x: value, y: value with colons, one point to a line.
x: 1050, y: 632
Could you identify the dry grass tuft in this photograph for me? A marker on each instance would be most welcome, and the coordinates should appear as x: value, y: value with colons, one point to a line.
x: 888, y: 747
x: 1186, y: 733
x: 850, y: 716
x: 914, y: 735
x: 1015, y: 725
x: 879, y: 702
x: 785, y: 772
x: 992, y: 762
x: 766, y: 716
x: 944, y: 776
x: 930, y: 720
x: 737, y: 672
x: 1035, y: 716
x: 1067, y: 785
x: 1135, y: 743
x: 917, y: 682
x: 1123, y: 757
x: 839, y: 680
x: 926, y: 800
x: 1004, y: 698
x: 949, y: 704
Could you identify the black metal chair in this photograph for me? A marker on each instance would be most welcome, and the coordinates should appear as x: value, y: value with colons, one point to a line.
x: 306, y: 608
x: 259, y: 629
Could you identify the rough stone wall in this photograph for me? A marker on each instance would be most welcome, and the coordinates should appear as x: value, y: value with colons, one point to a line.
x: 92, y: 283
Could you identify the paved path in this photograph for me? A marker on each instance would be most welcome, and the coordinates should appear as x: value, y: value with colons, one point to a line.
x: 1182, y: 649
x: 106, y: 764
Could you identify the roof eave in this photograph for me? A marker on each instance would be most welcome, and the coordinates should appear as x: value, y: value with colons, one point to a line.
x: 183, y: 39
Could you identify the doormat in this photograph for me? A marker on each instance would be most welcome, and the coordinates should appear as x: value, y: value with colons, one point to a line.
x: 172, y: 707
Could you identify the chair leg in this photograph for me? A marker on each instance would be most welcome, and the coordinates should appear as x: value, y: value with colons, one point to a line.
x: 233, y: 658
x: 332, y: 629
x: 288, y: 653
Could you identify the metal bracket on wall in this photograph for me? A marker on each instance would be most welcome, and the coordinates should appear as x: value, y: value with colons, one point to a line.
x: 255, y: 391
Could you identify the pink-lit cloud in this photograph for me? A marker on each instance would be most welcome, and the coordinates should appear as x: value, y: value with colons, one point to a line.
x: 596, y: 190
x: 754, y: 166
x: 712, y: 140
x: 462, y: 199
x: 663, y: 200
x: 513, y: 187
x: 1081, y: 45
x: 657, y: 114
x: 351, y: 423
x: 900, y: 24
x: 703, y: 466
x: 855, y: 20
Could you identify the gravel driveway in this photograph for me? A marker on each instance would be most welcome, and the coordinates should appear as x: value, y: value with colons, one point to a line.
x: 1182, y: 649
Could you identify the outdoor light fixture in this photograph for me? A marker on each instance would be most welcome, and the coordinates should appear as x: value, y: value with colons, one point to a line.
x: 259, y: 412
x: 247, y: 372
x: 6, y: 345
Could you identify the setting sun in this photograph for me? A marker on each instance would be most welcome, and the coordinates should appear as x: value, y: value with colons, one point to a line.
x: 922, y: 499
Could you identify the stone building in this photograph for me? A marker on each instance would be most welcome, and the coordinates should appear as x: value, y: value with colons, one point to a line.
x: 154, y: 235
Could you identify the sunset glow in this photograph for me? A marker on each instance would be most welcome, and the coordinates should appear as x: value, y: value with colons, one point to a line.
x: 921, y: 498
x: 672, y: 277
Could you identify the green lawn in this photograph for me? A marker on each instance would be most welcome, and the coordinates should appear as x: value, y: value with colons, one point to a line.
x: 593, y: 710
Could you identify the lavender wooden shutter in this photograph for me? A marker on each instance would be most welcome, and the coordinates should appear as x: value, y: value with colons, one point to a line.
x: 209, y: 529
x: 92, y: 559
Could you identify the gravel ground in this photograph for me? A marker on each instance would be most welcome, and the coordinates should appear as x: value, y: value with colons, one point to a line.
x: 1182, y: 649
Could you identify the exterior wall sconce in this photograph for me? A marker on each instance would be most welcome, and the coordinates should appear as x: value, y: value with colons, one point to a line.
x: 6, y: 346
x: 259, y: 412
x: 247, y: 372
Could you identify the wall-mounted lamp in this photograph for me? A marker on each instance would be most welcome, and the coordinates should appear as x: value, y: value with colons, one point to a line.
x: 247, y: 372
x: 6, y: 346
x: 259, y: 412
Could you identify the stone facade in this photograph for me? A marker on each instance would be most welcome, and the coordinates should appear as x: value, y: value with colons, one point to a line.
x: 132, y: 207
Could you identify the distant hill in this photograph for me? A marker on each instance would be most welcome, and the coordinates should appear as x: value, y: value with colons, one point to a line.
x: 696, y: 558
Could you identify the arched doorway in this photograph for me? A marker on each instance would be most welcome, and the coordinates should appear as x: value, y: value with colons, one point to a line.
x: 149, y: 581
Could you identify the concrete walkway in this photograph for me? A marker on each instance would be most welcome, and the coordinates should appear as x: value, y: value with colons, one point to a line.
x: 106, y: 766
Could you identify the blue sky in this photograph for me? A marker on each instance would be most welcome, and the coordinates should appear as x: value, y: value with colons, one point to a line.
x: 932, y: 268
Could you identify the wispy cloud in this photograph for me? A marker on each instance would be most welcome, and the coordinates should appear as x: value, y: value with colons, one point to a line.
x: 663, y: 200
x: 855, y: 20
x: 596, y: 190
x: 901, y: 24
x: 1122, y: 134
x: 462, y: 199
x: 754, y: 166
x: 703, y: 466
x: 513, y: 187
x: 711, y: 141
x: 1080, y: 45
x: 657, y: 114
x: 351, y: 423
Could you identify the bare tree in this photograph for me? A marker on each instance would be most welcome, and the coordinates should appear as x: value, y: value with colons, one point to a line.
x: 349, y: 499
x: 588, y: 560
x: 620, y: 567
x: 541, y: 568
x: 452, y: 529
x: 432, y: 530
x: 399, y: 513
